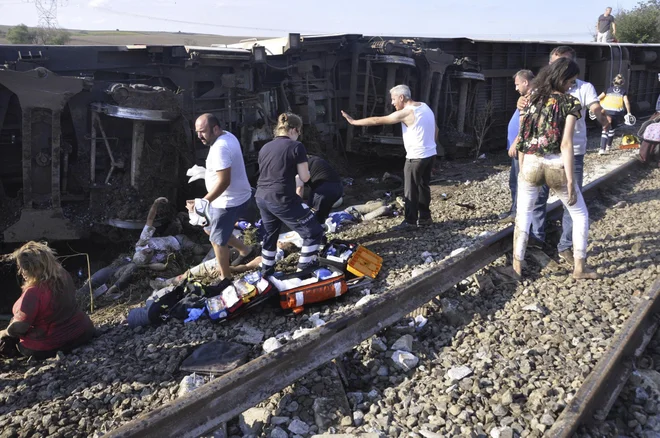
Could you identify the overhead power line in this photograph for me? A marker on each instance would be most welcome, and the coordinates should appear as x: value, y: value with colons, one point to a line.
x: 197, y: 23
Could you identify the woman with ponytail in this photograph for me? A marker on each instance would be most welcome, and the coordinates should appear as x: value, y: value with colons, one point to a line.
x: 279, y: 162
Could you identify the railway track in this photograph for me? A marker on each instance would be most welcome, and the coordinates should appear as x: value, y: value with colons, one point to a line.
x: 207, y: 408
x: 600, y: 390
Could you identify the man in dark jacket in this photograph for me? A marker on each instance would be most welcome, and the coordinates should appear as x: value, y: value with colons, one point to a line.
x: 325, y: 184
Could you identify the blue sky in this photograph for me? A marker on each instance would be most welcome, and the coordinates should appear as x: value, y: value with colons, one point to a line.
x: 559, y: 20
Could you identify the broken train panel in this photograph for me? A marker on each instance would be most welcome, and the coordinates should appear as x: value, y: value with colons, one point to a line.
x: 94, y: 134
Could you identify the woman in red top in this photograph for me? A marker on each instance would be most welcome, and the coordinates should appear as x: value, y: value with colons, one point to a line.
x: 46, y: 316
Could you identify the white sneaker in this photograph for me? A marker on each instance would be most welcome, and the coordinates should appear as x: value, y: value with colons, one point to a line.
x: 603, y: 152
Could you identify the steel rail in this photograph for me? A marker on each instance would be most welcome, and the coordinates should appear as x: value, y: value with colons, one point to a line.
x: 222, y: 399
x: 598, y: 393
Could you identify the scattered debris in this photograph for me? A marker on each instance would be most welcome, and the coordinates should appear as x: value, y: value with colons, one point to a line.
x: 271, y: 344
x: 364, y: 300
x: 417, y: 272
x: 419, y: 322
x: 189, y: 383
x: 404, y: 343
x: 405, y: 360
x: 502, y: 432
x: 316, y: 320
x: 459, y: 373
x: 538, y: 308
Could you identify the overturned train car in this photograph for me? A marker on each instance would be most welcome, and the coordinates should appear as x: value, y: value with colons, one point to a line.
x: 93, y: 134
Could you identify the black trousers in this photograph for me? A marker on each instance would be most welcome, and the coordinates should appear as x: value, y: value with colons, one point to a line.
x: 416, y: 189
x: 323, y: 197
x: 10, y: 346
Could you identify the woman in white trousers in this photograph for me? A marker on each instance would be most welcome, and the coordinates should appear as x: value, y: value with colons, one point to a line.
x: 545, y: 154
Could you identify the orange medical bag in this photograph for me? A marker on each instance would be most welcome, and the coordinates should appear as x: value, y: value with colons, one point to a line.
x: 321, y: 290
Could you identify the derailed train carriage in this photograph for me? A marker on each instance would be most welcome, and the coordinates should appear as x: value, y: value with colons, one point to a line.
x: 91, y: 134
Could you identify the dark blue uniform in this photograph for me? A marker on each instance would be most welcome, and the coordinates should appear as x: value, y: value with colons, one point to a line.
x: 326, y: 187
x: 278, y: 202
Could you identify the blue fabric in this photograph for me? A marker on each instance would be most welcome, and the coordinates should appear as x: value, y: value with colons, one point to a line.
x: 514, y: 127
x: 340, y: 217
x: 513, y: 183
x: 538, y: 216
x: 222, y: 221
x: 194, y: 314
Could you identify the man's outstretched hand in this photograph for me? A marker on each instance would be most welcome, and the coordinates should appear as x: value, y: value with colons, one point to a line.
x: 348, y: 118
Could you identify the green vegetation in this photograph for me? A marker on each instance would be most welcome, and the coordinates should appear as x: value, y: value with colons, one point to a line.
x: 640, y: 24
x: 22, y: 34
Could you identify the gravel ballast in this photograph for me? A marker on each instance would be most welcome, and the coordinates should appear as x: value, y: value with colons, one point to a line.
x: 487, y: 362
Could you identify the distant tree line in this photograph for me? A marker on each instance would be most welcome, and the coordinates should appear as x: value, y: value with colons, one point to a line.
x: 22, y: 34
x: 640, y: 25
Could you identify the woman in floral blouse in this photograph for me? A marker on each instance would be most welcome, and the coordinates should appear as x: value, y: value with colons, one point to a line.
x: 545, y: 153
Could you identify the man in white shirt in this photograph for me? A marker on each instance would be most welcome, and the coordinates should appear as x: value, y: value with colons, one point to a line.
x: 228, y: 191
x: 419, y: 139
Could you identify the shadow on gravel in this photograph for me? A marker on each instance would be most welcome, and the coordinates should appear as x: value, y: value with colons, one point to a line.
x: 89, y: 370
x: 642, y: 243
x: 429, y: 232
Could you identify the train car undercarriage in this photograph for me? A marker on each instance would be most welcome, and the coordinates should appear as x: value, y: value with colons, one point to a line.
x: 94, y: 134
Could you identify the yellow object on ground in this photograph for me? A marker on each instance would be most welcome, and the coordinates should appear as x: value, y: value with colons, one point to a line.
x: 629, y: 141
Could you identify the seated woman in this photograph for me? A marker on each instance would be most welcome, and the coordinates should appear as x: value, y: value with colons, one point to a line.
x: 46, y: 316
x: 545, y: 154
